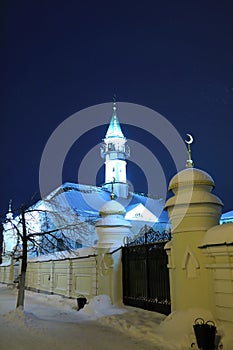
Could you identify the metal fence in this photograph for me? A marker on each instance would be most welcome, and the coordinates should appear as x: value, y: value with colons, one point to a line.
x: 145, y: 274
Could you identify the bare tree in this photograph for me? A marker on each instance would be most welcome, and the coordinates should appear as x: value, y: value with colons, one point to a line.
x: 41, y: 231
x: 1, y: 242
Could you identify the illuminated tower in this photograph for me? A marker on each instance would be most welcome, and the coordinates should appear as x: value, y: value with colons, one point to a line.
x: 114, y: 151
x: 10, y: 234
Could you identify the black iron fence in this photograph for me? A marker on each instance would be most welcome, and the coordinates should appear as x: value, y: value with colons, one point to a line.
x: 145, y: 274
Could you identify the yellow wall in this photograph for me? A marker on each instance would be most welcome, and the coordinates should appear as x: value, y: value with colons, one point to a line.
x: 69, y: 277
x: 88, y: 276
x: 190, y: 281
x: 219, y: 262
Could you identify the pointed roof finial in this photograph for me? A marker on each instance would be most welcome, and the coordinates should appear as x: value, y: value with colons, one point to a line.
x: 10, y: 202
x: 114, y: 129
x: 189, y: 162
x: 112, y: 195
x: 114, y: 104
x: 9, y: 215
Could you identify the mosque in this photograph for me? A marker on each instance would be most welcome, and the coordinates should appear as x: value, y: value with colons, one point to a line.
x: 199, y: 253
x: 75, y: 205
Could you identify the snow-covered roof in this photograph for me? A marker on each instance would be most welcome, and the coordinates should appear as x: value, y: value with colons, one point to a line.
x: 226, y: 217
x: 74, y: 209
x: 81, y: 198
x: 112, y: 207
x: 218, y: 235
x: 140, y: 212
x: 86, y: 200
x: 6, y: 263
x: 63, y: 255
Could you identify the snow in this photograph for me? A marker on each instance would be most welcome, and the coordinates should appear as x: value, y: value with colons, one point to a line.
x: 53, y: 322
x: 63, y: 255
x: 227, y: 215
x: 219, y: 235
x: 6, y: 263
x: 101, y: 306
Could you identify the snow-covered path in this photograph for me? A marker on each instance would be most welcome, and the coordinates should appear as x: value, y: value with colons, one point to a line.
x: 52, y: 322
x: 47, y: 325
x: 65, y: 336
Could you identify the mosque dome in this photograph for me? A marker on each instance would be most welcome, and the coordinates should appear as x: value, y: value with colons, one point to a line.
x: 192, y: 185
x: 192, y: 207
x: 220, y: 234
x: 112, y: 228
x: 112, y: 208
x: 191, y: 176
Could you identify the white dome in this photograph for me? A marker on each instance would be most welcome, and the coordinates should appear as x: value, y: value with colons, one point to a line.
x: 112, y: 208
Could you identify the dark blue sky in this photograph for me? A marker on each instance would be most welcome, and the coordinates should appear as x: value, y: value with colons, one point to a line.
x: 58, y: 57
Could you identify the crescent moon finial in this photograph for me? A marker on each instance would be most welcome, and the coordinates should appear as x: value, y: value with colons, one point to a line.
x: 190, y: 139
x: 189, y: 163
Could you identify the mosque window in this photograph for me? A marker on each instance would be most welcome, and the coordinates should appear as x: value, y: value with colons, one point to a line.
x: 60, y: 245
x: 78, y: 245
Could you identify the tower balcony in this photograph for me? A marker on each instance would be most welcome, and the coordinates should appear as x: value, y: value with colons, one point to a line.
x: 121, y: 151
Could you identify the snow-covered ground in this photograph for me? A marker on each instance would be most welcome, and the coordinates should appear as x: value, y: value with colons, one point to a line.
x: 53, y: 322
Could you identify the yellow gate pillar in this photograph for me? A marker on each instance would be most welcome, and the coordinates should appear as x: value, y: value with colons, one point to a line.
x: 192, y: 211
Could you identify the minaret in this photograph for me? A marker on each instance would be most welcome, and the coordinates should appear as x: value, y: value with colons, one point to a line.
x: 114, y: 151
x: 9, y: 233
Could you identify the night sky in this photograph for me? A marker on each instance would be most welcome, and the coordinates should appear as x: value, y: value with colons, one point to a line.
x: 59, y: 57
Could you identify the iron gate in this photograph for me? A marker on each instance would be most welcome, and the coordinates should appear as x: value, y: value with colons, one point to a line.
x: 145, y: 273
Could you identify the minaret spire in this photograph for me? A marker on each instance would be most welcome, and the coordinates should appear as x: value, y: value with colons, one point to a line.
x: 189, y: 162
x: 9, y: 215
x: 114, y: 129
x: 114, y: 113
x: 10, y: 202
x: 114, y: 102
x: 114, y: 151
